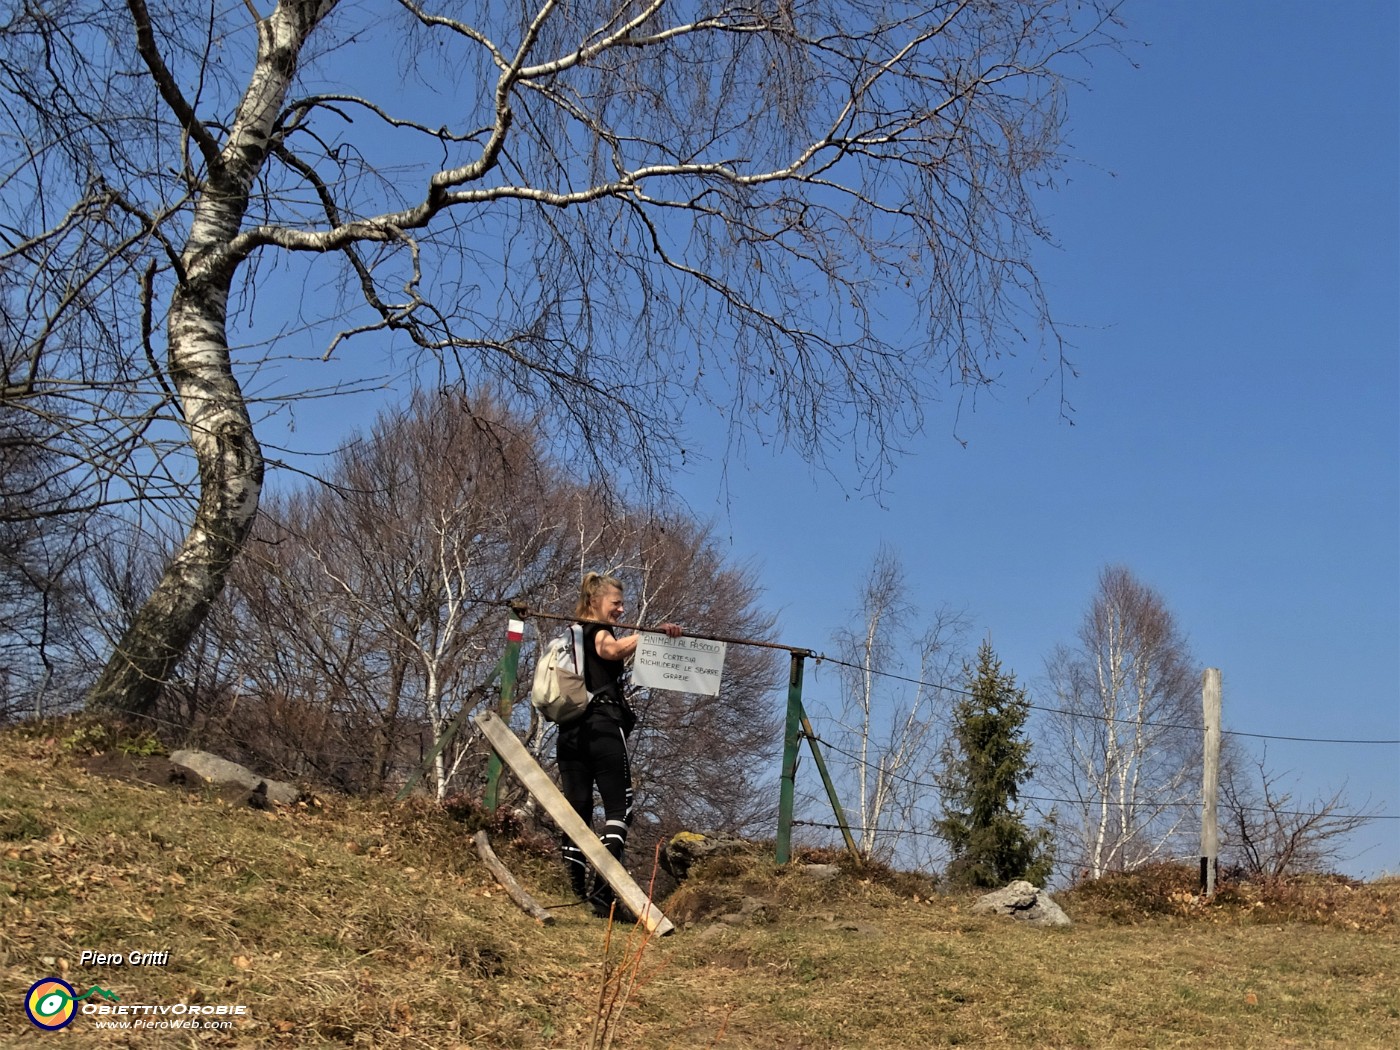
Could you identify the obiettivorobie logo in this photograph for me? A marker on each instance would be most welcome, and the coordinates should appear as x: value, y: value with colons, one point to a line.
x: 52, y: 1003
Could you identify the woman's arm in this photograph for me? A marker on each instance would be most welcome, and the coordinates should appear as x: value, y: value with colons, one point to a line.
x: 610, y: 648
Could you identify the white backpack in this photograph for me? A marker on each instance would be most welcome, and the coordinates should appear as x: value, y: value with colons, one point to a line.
x: 559, y: 693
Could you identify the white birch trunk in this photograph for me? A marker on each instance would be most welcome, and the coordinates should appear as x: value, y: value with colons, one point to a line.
x: 221, y: 432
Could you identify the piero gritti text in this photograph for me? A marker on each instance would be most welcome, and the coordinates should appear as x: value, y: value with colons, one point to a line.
x: 127, y: 959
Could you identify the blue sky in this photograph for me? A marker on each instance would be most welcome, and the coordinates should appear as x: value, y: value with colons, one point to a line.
x: 1228, y: 264
x: 1228, y: 270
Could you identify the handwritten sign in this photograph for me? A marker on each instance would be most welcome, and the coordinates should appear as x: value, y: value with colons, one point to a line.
x: 687, y: 665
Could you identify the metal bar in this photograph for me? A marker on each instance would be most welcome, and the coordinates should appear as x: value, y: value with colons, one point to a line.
x: 811, y: 736
x: 523, y: 611
x: 537, y: 782
x: 791, y: 739
x: 510, y: 664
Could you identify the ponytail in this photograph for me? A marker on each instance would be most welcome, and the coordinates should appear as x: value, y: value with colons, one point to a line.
x: 593, y: 584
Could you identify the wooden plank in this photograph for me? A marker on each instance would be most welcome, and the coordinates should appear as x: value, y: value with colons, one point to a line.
x: 537, y: 782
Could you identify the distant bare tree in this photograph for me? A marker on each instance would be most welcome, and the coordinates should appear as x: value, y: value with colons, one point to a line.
x: 1270, y: 836
x: 41, y: 547
x: 1124, y: 745
x: 611, y: 209
x: 891, y: 730
x: 371, y: 612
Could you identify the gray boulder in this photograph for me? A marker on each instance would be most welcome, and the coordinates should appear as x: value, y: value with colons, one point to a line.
x: 1023, y: 902
x: 221, y: 771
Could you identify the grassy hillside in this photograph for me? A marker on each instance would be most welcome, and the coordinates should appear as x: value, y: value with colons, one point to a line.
x: 351, y: 923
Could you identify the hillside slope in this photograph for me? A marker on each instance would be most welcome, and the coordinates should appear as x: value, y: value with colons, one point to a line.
x: 351, y: 923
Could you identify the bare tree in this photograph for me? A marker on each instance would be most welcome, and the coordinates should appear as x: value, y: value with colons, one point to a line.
x: 371, y: 612
x: 892, y: 719
x: 40, y: 545
x: 1270, y: 836
x: 380, y: 599
x: 611, y: 209
x: 1124, y: 743
x: 702, y: 762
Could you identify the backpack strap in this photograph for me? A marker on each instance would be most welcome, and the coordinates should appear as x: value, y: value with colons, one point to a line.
x: 580, y: 657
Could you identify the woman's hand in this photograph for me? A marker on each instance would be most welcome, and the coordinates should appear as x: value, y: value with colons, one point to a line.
x: 610, y: 648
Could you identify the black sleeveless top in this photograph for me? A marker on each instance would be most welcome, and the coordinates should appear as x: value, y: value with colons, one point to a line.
x: 605, y: 680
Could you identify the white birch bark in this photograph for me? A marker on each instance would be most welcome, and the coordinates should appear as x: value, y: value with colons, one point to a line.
x: 1129, y: 749
x: 210, y: 397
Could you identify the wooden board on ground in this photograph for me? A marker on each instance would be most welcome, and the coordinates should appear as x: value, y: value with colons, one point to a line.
x: 537, y: 782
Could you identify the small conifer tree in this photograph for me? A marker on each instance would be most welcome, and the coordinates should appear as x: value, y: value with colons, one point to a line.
x: 986, y: 763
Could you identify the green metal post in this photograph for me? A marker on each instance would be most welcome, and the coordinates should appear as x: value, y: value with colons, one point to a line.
x: 791, y: 739
x: 445, y: 739
x: 811, y: 736
x: 510, y: 663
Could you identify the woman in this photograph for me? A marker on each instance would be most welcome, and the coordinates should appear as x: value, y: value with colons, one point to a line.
x: 593, y: 749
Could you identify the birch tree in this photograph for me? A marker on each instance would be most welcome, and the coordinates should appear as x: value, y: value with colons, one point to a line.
x: 617, y: 211
x: 1123, y: 751
x: 380, y: 600
x: 371, y: 611
x: 892, y: 715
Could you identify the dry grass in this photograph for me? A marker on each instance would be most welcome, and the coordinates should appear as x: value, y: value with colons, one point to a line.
x: 350, y: 923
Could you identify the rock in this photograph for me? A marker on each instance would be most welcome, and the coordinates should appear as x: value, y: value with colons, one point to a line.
x: 1025, y: 902
x: 820, y: 872
x: 751, y: 910
x: 221, y: 771
x: 687, y: 848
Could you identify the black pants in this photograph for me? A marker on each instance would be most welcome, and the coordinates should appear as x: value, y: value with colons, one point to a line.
x: 592, y: 753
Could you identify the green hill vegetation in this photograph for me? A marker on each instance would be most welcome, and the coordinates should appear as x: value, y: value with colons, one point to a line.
x: 348, y: 922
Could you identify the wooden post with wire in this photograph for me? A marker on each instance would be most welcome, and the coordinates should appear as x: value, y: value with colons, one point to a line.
x: 1210, y: 833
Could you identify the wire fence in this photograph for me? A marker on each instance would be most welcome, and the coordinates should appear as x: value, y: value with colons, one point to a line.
x: 925, y: 785
x: 821, y: 658
x: 1102, y: 718
x: 1190, y: 806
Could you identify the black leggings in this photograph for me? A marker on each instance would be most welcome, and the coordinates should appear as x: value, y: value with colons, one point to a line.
x: 591, y: 754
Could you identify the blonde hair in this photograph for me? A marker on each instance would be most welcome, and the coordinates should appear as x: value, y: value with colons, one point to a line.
x: 594, y: 583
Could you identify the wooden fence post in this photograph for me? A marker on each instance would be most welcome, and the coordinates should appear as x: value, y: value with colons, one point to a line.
x: 1210, y: 833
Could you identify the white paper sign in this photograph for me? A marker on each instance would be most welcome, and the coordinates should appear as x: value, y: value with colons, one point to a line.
x: 687, y: 665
